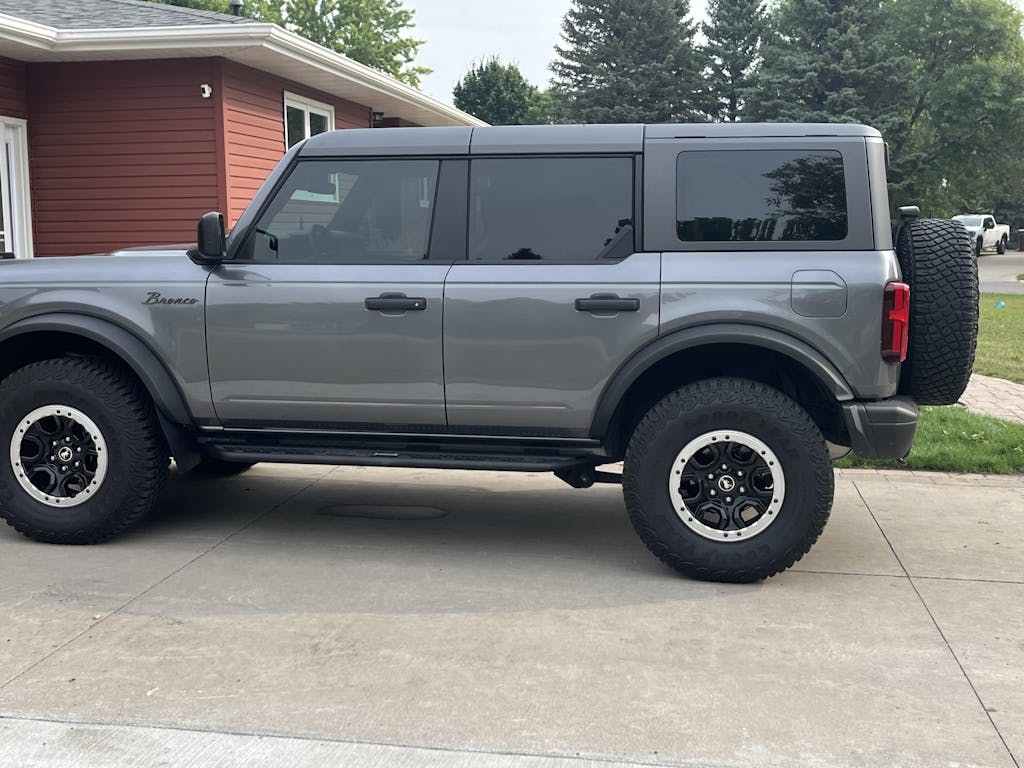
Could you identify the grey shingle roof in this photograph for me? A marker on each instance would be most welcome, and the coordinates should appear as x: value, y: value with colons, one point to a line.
x: 100, y: 14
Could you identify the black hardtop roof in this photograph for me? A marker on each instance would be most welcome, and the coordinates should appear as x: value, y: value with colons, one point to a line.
x: 540, y: 139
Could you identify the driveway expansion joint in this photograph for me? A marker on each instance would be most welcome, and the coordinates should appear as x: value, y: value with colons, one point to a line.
x: 924, y: 604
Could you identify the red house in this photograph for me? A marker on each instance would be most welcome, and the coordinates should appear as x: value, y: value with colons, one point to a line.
x: 123, y: 121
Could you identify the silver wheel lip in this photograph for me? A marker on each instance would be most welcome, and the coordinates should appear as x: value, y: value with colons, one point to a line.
x: 76, y: 415
x: 731, y: 436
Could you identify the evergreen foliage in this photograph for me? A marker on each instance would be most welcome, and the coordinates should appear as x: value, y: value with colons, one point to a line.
x: 734, y: 31
x: 626, y: 61
x: 830, y: 61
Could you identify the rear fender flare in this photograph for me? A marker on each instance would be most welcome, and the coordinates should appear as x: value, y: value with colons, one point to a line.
x: 831, y: 380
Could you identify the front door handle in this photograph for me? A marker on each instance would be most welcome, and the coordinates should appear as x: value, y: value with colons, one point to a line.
x: 395, y: 302
x: 607, y: 302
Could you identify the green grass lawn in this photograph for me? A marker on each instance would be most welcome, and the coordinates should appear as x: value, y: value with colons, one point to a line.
x: 1001, y: 337
x: 952, y: 439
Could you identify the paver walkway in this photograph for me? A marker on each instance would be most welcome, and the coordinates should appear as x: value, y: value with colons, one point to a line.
x: 994, y: 397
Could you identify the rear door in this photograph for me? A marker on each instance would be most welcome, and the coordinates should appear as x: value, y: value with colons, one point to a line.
x: 553, y: 297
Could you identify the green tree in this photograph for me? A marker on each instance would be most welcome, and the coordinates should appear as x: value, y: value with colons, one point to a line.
x: 372, y: 32
x: 734, y: 31
x: 627, y: 61
x: 544, y: 108
x: 495, y: 92
x: 960, y: 147
x: 830, y: 61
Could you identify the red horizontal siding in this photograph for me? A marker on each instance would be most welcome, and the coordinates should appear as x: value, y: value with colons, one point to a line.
x: 13, y: 99
x: 253, y: 104
x: 121, y: 153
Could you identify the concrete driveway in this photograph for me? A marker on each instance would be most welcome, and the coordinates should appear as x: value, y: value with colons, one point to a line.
x: 345, y: 616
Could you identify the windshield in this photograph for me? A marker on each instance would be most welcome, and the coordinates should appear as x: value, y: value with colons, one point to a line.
x: 969, y: 221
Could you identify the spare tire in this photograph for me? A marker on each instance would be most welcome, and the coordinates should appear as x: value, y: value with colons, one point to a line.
x: 937, y: 260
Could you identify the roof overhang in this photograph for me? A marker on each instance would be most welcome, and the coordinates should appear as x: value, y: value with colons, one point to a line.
x: 266, y: 47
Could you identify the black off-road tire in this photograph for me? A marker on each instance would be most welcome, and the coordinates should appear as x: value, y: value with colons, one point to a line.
x: 704, y: 408
x: 211, y: 467
x: 136, y: 450
x: 1001, y: 245
x: 938, y: 263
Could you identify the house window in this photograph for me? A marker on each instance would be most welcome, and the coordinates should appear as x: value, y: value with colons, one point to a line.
x: 304, y: 118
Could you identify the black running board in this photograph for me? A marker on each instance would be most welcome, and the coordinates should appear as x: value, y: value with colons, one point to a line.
x: 417, y: 454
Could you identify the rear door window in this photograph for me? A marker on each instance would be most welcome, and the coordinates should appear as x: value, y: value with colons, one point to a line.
x: 760, y: 195
x: 555, y: 209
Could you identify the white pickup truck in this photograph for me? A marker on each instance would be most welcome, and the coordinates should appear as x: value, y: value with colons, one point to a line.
x: 986, y: 233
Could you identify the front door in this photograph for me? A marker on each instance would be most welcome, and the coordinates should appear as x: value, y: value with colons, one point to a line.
x: 331, y: 317
x: 553, y: 298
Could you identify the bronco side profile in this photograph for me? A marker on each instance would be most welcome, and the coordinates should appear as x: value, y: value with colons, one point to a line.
x: 719, y: 307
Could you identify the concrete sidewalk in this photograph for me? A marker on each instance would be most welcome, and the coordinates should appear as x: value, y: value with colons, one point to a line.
x: 313, y: 616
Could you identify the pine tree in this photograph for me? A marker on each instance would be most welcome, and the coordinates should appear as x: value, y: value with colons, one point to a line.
x: 495, y: 92
x: 627, y: 61
x: 830, y: 61
x: 734, y: 32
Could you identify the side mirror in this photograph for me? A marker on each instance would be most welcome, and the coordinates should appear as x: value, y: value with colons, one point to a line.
x: 210, y: 240
x: 989, y: 224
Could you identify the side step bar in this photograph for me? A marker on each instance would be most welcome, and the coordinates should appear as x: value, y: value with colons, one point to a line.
x: 423, y: 454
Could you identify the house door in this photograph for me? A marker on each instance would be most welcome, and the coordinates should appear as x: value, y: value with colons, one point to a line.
x: 15, y: 211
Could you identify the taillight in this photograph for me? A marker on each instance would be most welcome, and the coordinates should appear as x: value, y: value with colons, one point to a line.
x: 895, y: 322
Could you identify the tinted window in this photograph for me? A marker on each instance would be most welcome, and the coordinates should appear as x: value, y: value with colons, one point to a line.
x: 362, y: 211
x: 752, y: 195
x: 554, y: 209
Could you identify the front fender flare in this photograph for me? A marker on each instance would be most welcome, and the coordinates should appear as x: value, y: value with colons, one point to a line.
x: 800, y: 352
x: 133, y: 351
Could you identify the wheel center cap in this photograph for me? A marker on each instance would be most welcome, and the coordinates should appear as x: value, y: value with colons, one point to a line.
x: 726, y: 483
x: 65, y: 454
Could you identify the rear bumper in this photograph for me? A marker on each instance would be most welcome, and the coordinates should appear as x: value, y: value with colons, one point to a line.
x: 881, y: 429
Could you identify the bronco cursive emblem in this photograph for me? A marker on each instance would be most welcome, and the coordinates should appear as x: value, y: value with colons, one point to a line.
x: 155, y: 297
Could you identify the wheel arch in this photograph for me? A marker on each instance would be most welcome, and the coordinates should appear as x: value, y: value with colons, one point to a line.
x: 725, y: 349
x: 44, y: 336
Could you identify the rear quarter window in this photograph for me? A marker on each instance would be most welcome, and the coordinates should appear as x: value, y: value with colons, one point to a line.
x: 789, y: 195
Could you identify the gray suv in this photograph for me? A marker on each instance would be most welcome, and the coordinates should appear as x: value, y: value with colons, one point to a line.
x: 719, y: 307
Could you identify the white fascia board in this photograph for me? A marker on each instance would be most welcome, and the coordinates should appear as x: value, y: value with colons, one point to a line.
x: 221, y: 40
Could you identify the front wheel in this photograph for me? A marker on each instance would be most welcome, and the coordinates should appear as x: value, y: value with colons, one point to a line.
x: 728, y: 480
x: 85, y: 457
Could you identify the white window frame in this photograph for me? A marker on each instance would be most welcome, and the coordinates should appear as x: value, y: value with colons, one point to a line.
x: 307, y: 106
x: 17, y: 205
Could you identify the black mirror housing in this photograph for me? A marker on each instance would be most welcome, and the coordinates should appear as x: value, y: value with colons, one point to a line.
x: 210, y: 239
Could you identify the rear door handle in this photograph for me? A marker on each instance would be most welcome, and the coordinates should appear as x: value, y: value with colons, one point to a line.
x: 395, y: 302
x: 607, y: 302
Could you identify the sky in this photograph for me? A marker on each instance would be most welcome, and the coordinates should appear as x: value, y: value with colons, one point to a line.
x: 459, y: 33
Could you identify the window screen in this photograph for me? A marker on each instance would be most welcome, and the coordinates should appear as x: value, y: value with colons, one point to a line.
x: 760, y: 195
x: 351, y: 212
x: 554, y: 209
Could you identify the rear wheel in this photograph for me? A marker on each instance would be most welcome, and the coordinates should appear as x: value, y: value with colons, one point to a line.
x: 728, y: 480
x: 85, y: 456
x: 1001, y: 245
